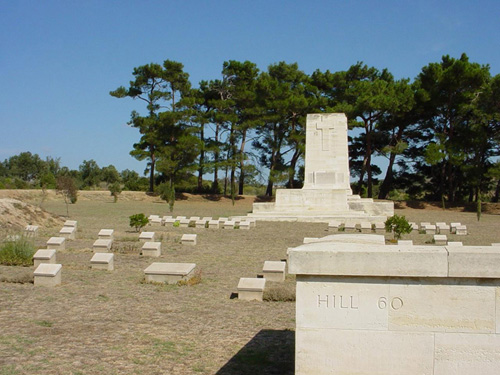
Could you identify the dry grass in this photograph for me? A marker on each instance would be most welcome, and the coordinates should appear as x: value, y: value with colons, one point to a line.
x: 100, y: 322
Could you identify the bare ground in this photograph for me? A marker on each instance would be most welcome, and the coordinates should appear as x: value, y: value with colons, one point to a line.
x: 100, y: 322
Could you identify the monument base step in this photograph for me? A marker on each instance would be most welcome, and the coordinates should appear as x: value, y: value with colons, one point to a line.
x: 315, y: 217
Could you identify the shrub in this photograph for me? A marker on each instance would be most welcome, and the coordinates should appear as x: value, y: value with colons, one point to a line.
x: 138, y: 221
x: 398, y: 225
x: 279, y: 293
x: 115, y: 189
x: 18, y: 252
x: 195, y: 280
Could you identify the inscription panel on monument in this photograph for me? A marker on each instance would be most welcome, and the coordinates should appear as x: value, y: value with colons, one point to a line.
x: 344, y: 305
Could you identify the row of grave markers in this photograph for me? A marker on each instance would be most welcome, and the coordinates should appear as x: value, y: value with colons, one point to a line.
x: 379, y: 227
x: 204, y: 222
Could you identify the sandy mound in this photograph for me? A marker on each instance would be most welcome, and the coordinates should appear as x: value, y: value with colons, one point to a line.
x: 15, y: 214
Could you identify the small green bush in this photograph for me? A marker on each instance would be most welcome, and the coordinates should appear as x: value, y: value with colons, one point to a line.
x: 138, y: 221
x: 17, y: 253
x: 398, y: 225
x: 115, y: 189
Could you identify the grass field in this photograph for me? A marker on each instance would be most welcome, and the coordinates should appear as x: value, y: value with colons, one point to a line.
x: 100, y: 322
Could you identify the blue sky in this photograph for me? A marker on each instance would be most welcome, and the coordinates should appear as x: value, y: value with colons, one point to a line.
x: 60, y: 59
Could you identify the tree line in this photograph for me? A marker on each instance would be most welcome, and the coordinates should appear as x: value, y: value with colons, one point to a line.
x: 27, y: 170
x: 439, y: 132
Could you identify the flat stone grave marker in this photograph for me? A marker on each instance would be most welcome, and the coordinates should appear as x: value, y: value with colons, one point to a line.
x: 200, y: 224
x: 47, y: 275
x: 333, y: 226
x: 245, y: 225
x: 229, y: 224
x: 151, y: 249
x: 310, y: 239
x: 179, y: 218
x: 57, y: 243
x: 414, y: 226
x: 44, y: 256
x: 455, y: 243
x: 213, y: 224
x: 147, y: 237
x: 461, y: 230
x: 68, y: 233
x: 250, y: 289
x: 430, y: 229
x: 169, y: 273
x: 424, y: 224
x: 253, y: 222
x: 453, y: 227
x: 440, y: 239
x: 71, y: 223
x: 155, y: 220
x: 103, y: 261
x: 184, y: 223
x: 274, y: 270
x: 102, y: 245
x: 379, y: 227
x: 366, y: 227
x: 169, y: 221
x: 207, y: 218
x: 106, y: 234
x: 222, y: 220
x: 188, y: 239
x: 350, y: 227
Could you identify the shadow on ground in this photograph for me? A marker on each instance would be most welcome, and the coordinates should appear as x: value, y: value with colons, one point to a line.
x: 270, y: 352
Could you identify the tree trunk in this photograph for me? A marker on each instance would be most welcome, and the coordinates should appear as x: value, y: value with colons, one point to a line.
x: 152, y: 173
x: 215, y: 183
x: 385, y: 188
x: 202, y: 160
x: 293, y: 164
x: 242, y: 162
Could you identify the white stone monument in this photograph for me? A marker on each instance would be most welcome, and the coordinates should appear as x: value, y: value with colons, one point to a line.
x: 396, y: 310
x: 326, y: 194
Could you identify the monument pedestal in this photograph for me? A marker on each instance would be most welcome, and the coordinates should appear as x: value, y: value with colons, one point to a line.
x: 326, y: 194
x: 396, y: 310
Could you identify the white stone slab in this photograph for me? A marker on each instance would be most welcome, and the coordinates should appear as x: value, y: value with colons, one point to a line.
x: 147, y: 237
x: 44, y: 256
x: 495, y: 244
x: 229, y: 224
x: 184, y: 223
x: 366, y: 227
x: 443, y: 228
x: 453, y: 227
x: 310, y: 239
x: 188, y: 239
x: 461, y: 230
x: 71, y: 223
x: 106, y: 234
x: 250, y: 289
x: 151, y: 249
x: 179, y: 218
x: 206, y: 218
x: 474, y: 261
x: 169, y: 221
x: 379, y: 227
x: 350, y: 227
x: 455, y: 243
x: 414, y: 226
x: 68, y: 232
x: 169, y: 273
x: 222, y: 220
x: 274, y: 270
x: 155, y: 220
x: 200, y: 224
x: 440, y: 239
x: 245, y: 225
x: 47, y: 275
x: 375, y: 239
x: 213, y: 224
x: 424, y: 224
x: 334, y: 226
x: 103, y: 261
x: 57, y: 243
x: 430, y: 229
x: 194, y: 218
x: 375, y: 260
x: 102, y: 246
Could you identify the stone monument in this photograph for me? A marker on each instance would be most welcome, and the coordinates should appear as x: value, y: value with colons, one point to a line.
x: 326, y: 194
x: 396, y: 310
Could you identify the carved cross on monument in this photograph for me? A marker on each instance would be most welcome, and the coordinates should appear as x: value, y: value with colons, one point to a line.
x: 325, y: 128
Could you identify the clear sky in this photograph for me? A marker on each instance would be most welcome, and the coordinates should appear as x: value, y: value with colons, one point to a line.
x: 60, y: 59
